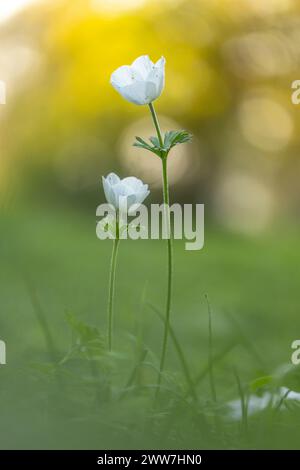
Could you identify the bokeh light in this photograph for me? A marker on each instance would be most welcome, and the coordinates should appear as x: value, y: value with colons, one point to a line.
x: 116, y: 6
x: 244, y: 203
x: 265, y: 123
x: 228, y: 74
x: 8, y: 8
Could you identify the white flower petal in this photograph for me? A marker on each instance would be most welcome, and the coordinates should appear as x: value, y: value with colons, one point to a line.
x: 142, y: 82
x: 112, y: 179
x: 123, y: 194
x: 157, y: 76
x: 161, y: 63
x: 139, y: 198
x: 142, y: 194
x: 108, y: 191
x: 122, y: 189
x: 123, y: 76
x: 160, y: 66
x: 143, y: 65
x: 137, y: 93
x: 151, y: 92
x: 133, y: 182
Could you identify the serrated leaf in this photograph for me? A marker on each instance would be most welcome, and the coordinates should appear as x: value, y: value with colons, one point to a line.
x: 141, y: 141
x: 169, y: 136
x: 155, y: 142
x: 137, y: 144
x: 143, y: 144
x: 173, y: 138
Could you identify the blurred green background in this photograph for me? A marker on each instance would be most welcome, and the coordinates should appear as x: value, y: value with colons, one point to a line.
x: 230, y: 65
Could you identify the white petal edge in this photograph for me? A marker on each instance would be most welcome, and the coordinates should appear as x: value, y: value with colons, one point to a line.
x: 143, y: 65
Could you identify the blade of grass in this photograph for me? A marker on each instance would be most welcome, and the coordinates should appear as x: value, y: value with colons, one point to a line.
x: 245, y: 341
x: 210, y: 352
x: 244, y: 407
x: 96, y: 376
x: 180, y: 353
x: 139, y: 348
x: 216, y: 358
x: 134, y: 372
x: 281, y: 401
x: 41, y: 317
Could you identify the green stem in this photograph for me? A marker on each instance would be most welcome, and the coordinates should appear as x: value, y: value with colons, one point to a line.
x: 180, y: 353
x: 170, y: 265
x: 111, y: 291
x: 210, y: 352
x: 156, y: 124
x: 169, y: 243
x: 42, y: 318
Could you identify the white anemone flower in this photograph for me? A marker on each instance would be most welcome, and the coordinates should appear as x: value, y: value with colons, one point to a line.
x: 142, y: 81
x: 126, y: 194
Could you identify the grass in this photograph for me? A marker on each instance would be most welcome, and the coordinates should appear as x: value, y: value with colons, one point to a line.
x: 54, y: 276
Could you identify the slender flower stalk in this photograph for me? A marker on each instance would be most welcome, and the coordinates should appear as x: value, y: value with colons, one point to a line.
x: 111, y: 291
x: 123, y: 195
x: 166, y: 198
x: 141, y: 83
x: 156, y: 124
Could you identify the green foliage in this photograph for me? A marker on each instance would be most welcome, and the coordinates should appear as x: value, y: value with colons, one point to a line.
x: 151, y: 148
x: 171, y: 139
x: 261, y: 383
x: 87, y: 341
x: 290, y: 378
x: 92, y: 399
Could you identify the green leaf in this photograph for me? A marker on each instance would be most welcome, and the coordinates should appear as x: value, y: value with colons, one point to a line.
x: 155, y: 141
x: 142, y: 141
x: 145, y: 145
x: 173, y: 138
x: 88, y: 342
x: 261, y: 382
